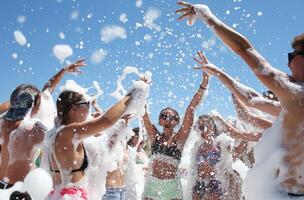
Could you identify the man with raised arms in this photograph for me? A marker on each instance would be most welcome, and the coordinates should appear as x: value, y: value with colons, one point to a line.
x: 288, y: 89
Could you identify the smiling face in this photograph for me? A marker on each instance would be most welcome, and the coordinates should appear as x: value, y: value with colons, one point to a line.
x: 168, y: 118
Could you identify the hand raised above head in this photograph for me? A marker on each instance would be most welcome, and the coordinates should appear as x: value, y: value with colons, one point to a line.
x: 186, y: 11
x: 205, y: 64
x: 74, y: 67
x: 193, y: 12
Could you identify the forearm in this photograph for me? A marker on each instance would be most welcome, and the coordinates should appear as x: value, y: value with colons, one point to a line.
x: 242, y: 92
x: 54, y: 81
x: 264, y: 105
x: 236, y: 41
x: 254, y: 120
x: 4, y: 107
x: 99, y: 124
x: 151, y: 130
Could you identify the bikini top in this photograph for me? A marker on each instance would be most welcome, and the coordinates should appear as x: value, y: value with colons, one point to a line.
x: 212, y: 157
x: 160, y: 148
x: 84, y: 165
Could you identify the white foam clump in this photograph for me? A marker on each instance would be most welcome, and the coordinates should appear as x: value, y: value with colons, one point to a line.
x: 62, y: 51
x: 47, y: 110
x: 123, y: 18
x: 98, y: 56
x: 138, y: 3
x: 38, y: 183
x: 120, y: 92
x: 20, y: 38
x: 112, y: 32
x: 61, y: 35
x: 71, y: 85
x: 74, y: 15
x: 151, y: 15
x: 261, y: 181
x: 21, y: 19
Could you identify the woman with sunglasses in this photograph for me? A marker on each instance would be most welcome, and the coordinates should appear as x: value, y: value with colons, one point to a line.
x: 68, y: 159
x: 215, y: 177
x: 163, y: 181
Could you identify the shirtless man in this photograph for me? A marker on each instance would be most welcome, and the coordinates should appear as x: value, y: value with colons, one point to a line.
x: 288, y: 89
x: 21, y: 132
x: 115, y: 180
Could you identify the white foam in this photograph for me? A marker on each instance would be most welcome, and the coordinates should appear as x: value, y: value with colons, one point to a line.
x: 112, y: 32
x: 151, y: 15
x: 20, y: 38
x: 62, y: 51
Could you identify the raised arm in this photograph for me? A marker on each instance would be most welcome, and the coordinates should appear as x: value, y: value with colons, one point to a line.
x: 54, y: 81
x: 4, y: 107
x: 239, y: 44
x: 81, y: 131
x: 188, y: 121
x: 235, y: 134
x: 151, y: 129
x: 247, y: 95
x: 249, y: 117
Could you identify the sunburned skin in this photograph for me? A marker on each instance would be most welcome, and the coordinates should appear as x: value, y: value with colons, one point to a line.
x: 18, y: 149
x: 116, y: 178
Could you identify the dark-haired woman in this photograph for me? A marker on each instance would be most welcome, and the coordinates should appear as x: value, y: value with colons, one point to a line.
x: 68, y: 155
x: 163, y: 181
x: 215, y: 178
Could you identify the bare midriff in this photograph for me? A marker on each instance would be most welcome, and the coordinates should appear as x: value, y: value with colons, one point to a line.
x: 163, y: 170
x: 205, y: 171
x: 115, y: 179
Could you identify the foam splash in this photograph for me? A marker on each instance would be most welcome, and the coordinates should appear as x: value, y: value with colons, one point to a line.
x: 38, y: 188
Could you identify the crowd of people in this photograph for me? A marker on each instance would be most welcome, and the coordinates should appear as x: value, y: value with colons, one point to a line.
x: 27, y: 136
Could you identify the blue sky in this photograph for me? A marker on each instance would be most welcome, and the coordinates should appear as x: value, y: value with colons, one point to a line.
x: 165, y: 49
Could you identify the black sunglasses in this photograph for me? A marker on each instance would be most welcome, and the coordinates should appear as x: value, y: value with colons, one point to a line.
x: 168, y: 117
x: 291, y: 55
x: 88, y: 103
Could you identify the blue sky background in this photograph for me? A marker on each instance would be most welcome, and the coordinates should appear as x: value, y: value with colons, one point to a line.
x: 270, y: 25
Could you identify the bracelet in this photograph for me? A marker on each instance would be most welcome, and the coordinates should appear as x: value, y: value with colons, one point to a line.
x: 203, y: 88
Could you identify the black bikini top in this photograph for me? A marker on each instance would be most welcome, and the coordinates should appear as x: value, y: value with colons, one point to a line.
x: 84, y: 165
x: 160, y: 148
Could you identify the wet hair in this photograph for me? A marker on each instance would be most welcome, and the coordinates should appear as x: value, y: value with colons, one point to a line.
x: 270, y: 95
x: 173, y: 110
x: 136, y: 134
x: 298, y: 40
x: 64, y: 103
x: 28, y: 88
x: 212, y: 122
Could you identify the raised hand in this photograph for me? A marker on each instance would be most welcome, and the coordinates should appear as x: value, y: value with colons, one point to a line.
x: 75, y: 67
x: 205, y: 64
x: 187, y: 11
x: 193, y: 12
x: 127, y: 117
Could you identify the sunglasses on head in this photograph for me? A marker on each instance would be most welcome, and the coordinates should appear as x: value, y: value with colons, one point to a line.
x: 291, y: 55
x: 168, y: 117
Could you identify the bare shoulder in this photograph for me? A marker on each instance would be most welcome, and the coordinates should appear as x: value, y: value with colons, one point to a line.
x: 39, y: 129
